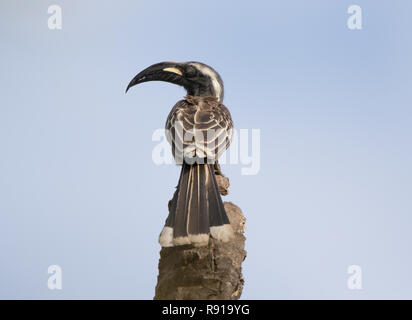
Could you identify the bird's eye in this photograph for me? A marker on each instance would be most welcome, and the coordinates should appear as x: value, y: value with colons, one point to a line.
x: 190, y: 72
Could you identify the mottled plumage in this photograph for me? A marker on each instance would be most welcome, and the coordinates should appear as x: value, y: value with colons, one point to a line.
x: 199, y: 128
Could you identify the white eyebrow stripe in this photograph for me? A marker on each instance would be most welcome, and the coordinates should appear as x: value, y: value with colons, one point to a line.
x: 209, y: 72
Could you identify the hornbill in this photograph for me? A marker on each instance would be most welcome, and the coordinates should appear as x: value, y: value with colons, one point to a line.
x: 199, y: 129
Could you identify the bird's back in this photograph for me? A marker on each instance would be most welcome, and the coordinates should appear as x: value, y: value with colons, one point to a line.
x: 199, y: 129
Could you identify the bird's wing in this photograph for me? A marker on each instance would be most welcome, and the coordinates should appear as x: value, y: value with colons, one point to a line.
x: 199, y: 127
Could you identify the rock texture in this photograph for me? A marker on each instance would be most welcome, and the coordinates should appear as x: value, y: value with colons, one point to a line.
x: 205, y: 273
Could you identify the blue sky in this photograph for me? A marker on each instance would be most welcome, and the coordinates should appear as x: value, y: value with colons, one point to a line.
x: 78, y: 187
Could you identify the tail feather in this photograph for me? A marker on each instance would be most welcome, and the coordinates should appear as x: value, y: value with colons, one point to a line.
x: 185, y: 190
x: 166, y: 236
x: 196, y: 210
x: 219, y: 216
x: 198, y: 213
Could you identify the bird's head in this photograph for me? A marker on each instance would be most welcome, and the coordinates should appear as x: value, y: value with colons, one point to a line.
x: 197, y: 78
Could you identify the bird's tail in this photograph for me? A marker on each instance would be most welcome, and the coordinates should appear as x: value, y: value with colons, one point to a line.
x: 196, y: 210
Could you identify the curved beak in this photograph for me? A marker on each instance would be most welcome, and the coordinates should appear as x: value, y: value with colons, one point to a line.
x: 165, y: 71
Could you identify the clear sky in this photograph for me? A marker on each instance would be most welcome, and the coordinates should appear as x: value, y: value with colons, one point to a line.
x: 79, y: 189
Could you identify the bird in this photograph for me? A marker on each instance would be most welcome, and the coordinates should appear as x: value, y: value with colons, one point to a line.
x: 199, y: 129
